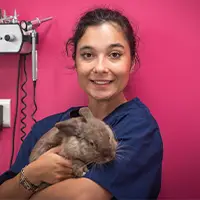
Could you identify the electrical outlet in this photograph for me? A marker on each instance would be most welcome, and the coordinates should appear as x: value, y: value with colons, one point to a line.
x: 6, y: 103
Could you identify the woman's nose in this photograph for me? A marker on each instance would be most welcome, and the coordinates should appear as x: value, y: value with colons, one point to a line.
x: 100, y: 66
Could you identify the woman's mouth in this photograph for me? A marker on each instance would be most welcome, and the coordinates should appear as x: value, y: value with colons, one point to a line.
x: 101, y: 82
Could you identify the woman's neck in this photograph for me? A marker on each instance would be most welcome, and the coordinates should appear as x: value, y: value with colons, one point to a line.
x: 102, y: 108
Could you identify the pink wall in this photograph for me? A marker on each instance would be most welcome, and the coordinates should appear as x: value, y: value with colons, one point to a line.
x: 166, y: 82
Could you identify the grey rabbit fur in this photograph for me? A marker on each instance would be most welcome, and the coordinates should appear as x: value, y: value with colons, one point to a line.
x: 84, y: 140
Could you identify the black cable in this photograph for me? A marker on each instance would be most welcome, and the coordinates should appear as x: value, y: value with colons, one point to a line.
x: 22, y: 100
x: 16, y: 112
x: 34, y: 101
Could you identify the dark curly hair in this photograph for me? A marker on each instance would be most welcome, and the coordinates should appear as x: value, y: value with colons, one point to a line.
x: 99, y: 16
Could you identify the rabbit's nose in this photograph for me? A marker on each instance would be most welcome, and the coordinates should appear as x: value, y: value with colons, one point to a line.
x: 106, y: 152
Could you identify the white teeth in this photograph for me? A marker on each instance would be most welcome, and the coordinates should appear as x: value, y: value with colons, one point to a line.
x: 101, y: 82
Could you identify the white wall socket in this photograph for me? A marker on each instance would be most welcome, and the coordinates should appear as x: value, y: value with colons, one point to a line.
x: 6, y: 103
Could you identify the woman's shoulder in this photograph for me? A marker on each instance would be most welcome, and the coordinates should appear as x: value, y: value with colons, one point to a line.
x: 139, y: 112
x: 133, y: 119
x: 133, y: 110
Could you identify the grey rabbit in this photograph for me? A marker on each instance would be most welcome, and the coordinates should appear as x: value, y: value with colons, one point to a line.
x: 84, y: 140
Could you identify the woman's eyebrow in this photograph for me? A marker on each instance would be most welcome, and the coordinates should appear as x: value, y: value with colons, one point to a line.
x: 116, y: 45
x: 87, y: 47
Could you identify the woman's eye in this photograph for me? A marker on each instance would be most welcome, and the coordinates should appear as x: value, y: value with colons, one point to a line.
x: 87, y: 55
x: 115, y: 55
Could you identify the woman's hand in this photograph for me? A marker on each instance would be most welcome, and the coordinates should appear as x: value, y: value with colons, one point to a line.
x: 49, y: 167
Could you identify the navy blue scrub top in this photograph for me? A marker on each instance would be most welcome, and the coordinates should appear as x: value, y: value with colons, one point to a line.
x: 137, y: 172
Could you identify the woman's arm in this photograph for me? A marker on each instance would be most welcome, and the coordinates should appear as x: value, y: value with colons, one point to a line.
x: 74, y: 189
x: 11, y: 189
x: 49, y: 167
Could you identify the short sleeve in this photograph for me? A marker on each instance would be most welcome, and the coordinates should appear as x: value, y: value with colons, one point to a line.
x: 136, y: 171
x: 22, y: 158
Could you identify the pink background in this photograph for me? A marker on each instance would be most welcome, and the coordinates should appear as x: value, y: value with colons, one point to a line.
x: 167, y: 80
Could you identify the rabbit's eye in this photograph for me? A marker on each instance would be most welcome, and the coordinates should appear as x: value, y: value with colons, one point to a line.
x: 92, y: 143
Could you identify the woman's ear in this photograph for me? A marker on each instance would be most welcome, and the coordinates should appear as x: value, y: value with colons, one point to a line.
x: 75, y: 65
x: 132, y: 69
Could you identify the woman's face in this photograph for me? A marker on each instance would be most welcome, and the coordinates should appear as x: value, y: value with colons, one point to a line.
x: 103, y: 61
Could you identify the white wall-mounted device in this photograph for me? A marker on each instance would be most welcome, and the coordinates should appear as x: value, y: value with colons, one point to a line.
x: 20, y: 37
x: 6, y: 103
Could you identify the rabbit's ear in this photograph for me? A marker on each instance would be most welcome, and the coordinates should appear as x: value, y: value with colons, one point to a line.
x: 69, y: 127
x: 86, y: 113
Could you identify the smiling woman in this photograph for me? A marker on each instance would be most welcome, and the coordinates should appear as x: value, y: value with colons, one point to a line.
x: 104, y: 52
x: 103, y: 62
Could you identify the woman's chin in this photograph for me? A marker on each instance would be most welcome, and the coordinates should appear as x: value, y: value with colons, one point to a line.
x: 101, y: 97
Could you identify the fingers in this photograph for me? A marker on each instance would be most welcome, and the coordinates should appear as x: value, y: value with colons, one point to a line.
x: 54, y: 149
x: 59, y: 159
x: 63, y: 174
x: 66, y: 163
x: 64, y: 170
